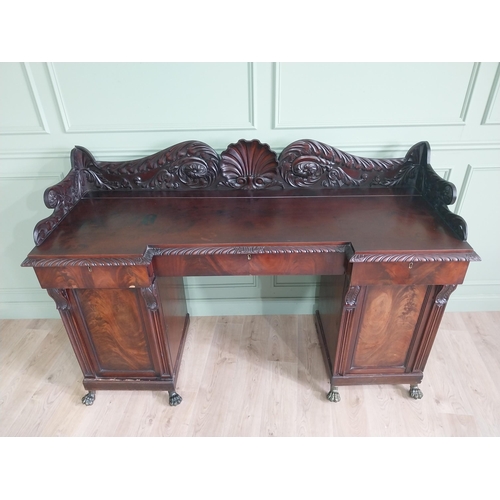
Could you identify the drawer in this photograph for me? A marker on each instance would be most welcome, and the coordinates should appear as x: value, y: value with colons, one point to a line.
x: 201, y: 265
x: 94, y: 277
x: 257, y: 264
x: 408, y: 273
x: 296, y: 264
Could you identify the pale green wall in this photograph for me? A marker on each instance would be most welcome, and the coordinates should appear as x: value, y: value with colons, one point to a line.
x: 123, y: 111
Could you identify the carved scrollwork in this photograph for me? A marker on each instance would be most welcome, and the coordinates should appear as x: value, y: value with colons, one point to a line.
x: 62, y: 197
x: 456, y: 223
x: 336, y: 177
x: 440, y: 193
x: 433, y: 187
x: 190, y: 164
x: 304, y: 163
x: 249, y: 165
x: 403, y: 177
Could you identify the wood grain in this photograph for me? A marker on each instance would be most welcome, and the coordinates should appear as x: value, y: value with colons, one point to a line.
x: 115, y: 327
x: 387, y: 326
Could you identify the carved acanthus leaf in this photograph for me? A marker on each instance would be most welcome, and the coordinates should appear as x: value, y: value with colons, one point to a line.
x: 305, y: 162
x: 402, y: 178
x: 190, y: 164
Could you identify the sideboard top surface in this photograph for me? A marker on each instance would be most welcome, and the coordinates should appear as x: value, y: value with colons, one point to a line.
x: 121, y: 225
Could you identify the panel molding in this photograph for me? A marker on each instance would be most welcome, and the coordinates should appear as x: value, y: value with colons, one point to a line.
x: 470, y: 91
x: 111, y: 154
x: 460, y: 203
x: 58, y: 176
x: 293, y: 284
x: 445, y: 173
x: 492, y: 99
x: 43, y: 127
x: 70, y: 129
x: 460, y: 121
x: 466, y: 183
x: 233, y: 283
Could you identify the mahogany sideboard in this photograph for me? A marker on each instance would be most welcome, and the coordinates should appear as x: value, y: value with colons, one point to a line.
x: 123, y: 235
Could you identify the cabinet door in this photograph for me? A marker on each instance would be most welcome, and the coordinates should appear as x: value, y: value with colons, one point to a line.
x: 387, y: 328
x: 114, y: 331
x: 121, y: 331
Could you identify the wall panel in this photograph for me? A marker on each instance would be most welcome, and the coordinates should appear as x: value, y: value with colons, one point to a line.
x: 21, y: 111
x: 102, y: 97
x: 313, y: 95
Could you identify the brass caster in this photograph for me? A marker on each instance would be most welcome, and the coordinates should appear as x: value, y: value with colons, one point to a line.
x: 174, y: 399
x: 415, y: 392
x: 89, y: 398
x: 334, y: 395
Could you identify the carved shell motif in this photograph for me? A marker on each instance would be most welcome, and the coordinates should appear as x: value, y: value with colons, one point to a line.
x: 249, y: 165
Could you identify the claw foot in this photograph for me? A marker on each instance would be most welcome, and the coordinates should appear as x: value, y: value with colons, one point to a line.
x: 89, y: 398
x: 334, y: 395
x: 174, y: 399
x: 415, y: 392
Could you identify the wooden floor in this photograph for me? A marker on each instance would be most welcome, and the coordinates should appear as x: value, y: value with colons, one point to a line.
x: 252, y: 376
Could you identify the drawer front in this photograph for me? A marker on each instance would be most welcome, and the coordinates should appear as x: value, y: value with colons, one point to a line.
x: 200, y: 265
x: 257, y: 264
x: 94, y: 277
x: 297, y: 264
x: 407, y: 273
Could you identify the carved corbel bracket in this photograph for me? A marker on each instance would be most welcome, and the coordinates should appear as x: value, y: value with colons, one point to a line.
x: 60, y: 297
x: 444, y: 295
x: 150, y: 296
x: 351, y: 298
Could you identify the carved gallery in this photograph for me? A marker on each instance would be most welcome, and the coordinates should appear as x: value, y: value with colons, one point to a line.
x: 123, y: 235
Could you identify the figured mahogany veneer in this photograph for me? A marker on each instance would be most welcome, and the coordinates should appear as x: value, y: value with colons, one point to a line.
x: 123, y: 234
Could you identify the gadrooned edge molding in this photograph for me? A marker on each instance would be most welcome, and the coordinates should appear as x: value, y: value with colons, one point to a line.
x: 151, y: 252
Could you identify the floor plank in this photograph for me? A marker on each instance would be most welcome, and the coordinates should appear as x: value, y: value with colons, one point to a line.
x: 252, y: 376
